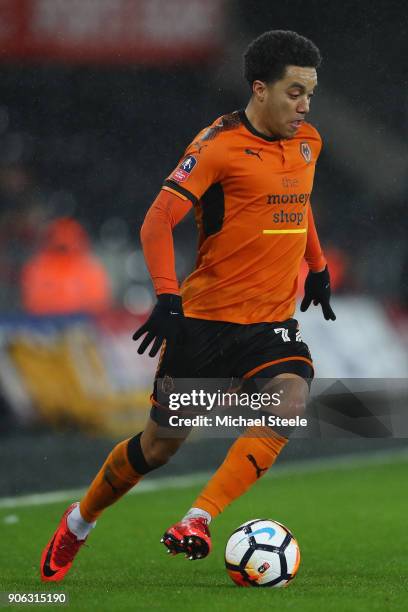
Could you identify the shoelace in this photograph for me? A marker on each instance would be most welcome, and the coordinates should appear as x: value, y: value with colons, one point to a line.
x: 66, y: 549
x: 200, y: 524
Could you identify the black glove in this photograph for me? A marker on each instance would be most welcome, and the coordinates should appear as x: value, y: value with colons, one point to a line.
x: 317, y: 288
x: 166, y: 322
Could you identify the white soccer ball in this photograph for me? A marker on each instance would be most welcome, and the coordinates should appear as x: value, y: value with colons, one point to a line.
x: 262, y: 553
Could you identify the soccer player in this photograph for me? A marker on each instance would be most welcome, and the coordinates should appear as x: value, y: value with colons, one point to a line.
x: 249, y: 177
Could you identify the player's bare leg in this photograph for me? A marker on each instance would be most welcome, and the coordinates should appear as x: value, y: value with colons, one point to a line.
x: 250, y: 456
x: 124, y: 467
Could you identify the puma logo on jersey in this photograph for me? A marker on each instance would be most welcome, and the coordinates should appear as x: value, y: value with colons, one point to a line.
x: 199, y: 146
x: 254, y: 153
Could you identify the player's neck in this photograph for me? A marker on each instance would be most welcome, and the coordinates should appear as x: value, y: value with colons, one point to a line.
x: 254, y: 116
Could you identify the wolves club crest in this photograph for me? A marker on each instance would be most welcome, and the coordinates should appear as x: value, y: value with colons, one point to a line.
x: 306, y: 151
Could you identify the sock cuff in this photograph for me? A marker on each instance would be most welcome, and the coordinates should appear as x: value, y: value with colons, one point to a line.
x: 195, y: 512
x: 209, y: 505
x: 135, y: 456
x: 270, y: 436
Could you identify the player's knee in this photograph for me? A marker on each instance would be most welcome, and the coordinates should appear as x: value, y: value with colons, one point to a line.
x: 159, y: 452
x: 293, y: 394
x: 289, y: 409
x: 146, y: 453
x: 295, y: 407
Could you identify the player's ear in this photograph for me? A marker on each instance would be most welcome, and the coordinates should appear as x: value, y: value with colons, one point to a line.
x: 259, y: 90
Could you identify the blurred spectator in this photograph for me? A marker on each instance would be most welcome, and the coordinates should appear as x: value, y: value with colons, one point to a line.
x: 64, y: 276
x: 23, y: 211
x: 337, y: 264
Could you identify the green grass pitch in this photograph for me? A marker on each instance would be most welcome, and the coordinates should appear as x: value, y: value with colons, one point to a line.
x: 350, y: 523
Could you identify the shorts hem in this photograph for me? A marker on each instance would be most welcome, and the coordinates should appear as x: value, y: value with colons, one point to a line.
x: 268, y: 364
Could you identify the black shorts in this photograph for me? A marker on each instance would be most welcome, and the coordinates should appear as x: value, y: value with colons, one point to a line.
x: 219, y: 350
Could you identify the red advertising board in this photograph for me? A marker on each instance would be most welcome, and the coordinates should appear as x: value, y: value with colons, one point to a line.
x: 110, y: 31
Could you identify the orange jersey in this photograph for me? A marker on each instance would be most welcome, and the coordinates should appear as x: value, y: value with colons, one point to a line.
x: 251, y: 195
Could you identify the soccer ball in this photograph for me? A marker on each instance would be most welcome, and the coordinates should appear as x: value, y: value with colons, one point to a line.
x: 262, y: 553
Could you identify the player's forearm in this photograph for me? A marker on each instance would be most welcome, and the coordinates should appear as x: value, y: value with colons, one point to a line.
x: 157, y: 241
x: 313, y: 254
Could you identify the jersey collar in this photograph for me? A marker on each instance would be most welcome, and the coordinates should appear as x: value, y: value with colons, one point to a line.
x: 253, y: 130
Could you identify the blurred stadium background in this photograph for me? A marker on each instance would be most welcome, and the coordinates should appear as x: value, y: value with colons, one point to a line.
x: 98, y: 100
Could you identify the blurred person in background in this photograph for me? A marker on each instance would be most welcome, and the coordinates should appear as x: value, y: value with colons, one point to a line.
x: 337, y: 262
x: 23, y: 211
x: 64, y: 276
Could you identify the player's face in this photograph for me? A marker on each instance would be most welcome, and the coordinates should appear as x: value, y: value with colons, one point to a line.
x: 287, y: 101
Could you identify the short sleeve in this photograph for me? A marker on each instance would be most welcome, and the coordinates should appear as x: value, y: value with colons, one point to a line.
x: 202, y: 165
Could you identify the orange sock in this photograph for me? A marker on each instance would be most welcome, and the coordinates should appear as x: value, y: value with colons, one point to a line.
x: 115, y: 478
x: 247, y: 460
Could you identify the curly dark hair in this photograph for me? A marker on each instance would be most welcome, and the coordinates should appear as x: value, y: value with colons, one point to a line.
x: 268, y: 55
